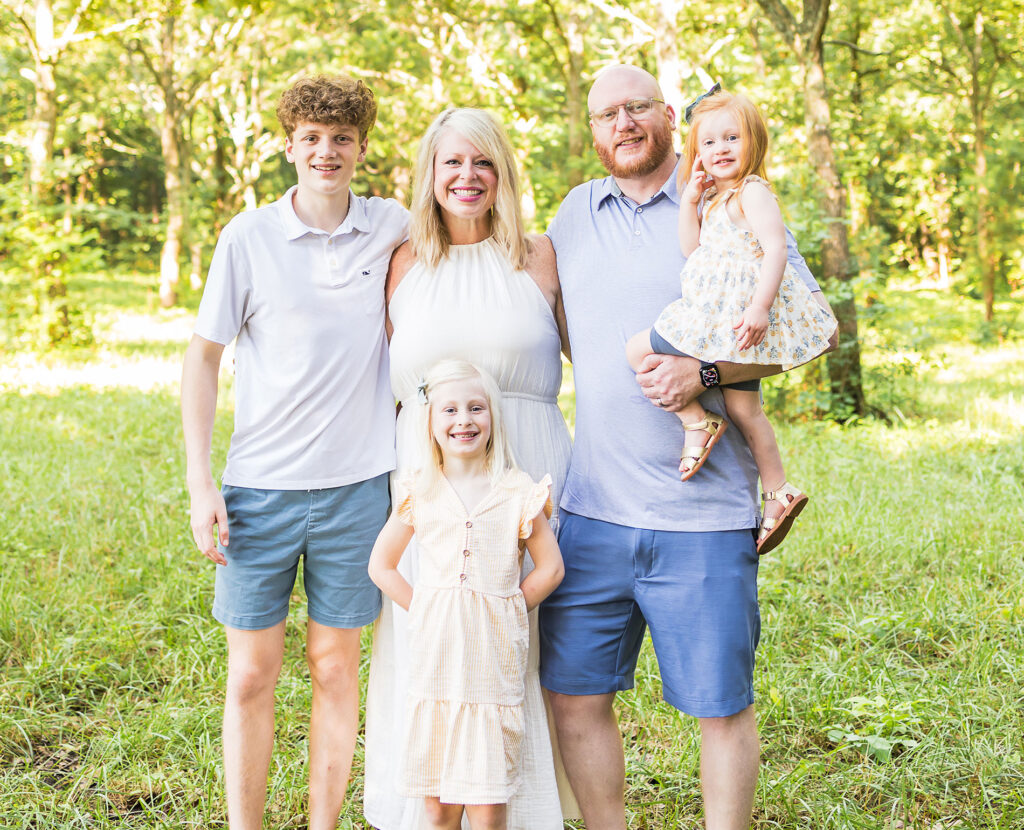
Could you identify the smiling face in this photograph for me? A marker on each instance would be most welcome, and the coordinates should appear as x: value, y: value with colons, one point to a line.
x: 720, y: 146
x: 325, y: 156
x: 465, y: 182
x: 460, y: 419
x: 630, y: 148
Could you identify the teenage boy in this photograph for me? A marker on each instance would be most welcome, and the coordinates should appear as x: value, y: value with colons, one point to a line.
x: 299, y: 286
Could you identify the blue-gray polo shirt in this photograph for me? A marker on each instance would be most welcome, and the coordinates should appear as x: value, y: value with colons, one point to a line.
x: 619, y: 264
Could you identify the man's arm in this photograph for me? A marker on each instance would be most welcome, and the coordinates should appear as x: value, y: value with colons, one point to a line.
x: 198, y: 410
x: 675, y: 381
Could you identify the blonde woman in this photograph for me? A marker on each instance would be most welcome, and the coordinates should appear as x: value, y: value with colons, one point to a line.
x: 470, y: 285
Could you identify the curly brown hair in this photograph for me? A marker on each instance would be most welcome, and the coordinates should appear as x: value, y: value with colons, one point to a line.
x: 323, y: 100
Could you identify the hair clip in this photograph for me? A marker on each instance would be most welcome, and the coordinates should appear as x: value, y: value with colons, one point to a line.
x: 688, y: 112
x: 421, y: 392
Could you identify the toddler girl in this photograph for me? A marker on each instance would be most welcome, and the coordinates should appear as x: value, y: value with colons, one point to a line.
x: 741, y: 301
x: 471, y: 511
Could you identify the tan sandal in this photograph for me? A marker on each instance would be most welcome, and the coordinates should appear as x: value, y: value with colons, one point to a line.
x: 774, y: 530
x: 714, y: 425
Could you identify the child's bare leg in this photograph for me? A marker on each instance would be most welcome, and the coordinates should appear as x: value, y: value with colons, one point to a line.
x: 744, y: 409
x: 638, y: 347
x: 486, y: 816
x: 443, y: 816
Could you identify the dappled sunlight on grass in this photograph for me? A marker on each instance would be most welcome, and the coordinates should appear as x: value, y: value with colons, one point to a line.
x: 888, y: 672
x: 136, y: 351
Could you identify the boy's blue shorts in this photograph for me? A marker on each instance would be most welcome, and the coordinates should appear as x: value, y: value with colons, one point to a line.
x: 697, y: 592
x: 331, y: 530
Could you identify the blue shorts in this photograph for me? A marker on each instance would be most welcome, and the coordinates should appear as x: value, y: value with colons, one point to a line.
x: 697, y: 592
x: 331, y: 530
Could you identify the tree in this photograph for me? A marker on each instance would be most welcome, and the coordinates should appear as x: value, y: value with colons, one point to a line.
x: 805, y: 37
x: 967, y: 59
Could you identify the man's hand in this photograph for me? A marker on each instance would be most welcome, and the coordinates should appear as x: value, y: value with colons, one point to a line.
x: 669, y: 381
x: 208, y: 509
x: 751, y: 327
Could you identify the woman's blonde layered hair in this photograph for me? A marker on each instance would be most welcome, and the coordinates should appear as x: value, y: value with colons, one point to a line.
x: 499, y: 458
x: 752, y: 128
x: 427, y: 232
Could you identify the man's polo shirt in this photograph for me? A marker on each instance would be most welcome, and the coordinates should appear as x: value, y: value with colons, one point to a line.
x: 313, y: 404
x: 619, y: 264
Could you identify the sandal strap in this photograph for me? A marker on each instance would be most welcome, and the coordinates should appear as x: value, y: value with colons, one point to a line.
x: 786, y: 493
x: 710, y: 423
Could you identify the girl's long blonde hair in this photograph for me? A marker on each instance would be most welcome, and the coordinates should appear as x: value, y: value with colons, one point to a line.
x: 498, y: 457
x: 752, y: 127
x: 427, y: 232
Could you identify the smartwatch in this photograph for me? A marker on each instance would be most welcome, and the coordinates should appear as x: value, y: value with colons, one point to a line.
x: 709, y: 375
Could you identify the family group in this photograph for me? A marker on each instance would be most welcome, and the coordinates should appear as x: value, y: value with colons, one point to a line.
x: 510, y: 573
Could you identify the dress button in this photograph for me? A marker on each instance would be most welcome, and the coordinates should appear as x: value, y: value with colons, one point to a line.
x: 462, y: 577
x: 636, y: 233
x: 639, y: 210
x: 465, y: 553
x: 469, y: 524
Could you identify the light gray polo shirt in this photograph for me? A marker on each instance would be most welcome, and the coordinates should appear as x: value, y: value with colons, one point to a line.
x: 313, y: 403
x: 619, y: 264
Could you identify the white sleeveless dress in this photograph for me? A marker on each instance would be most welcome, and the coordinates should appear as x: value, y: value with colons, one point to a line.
x: 474, y: 306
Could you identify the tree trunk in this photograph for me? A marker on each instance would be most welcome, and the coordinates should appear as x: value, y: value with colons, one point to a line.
x: 576, y: 105
x: 982, y: 247
x: 844, y: 363
x: 44, y: 115
x: 666, y: 49
x: 174, y: 179
x: 805, y: 38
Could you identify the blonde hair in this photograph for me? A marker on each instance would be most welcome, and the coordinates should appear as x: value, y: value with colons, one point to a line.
x: 752, y: 128
x: 498, y: 453
x: 427, y: 232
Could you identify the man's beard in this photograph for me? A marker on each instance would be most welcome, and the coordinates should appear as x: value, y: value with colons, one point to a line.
x: 660, y: 140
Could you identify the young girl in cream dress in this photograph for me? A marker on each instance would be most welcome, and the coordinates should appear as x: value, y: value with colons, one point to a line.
x: 473, y: 513
x: 741, y: 302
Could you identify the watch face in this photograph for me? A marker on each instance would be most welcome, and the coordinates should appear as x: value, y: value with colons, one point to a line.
x: 709, y: 375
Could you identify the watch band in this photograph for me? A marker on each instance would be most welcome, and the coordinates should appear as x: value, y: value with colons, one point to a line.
x: 709, y: 375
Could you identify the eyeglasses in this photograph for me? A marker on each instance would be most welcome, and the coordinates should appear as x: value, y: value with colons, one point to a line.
x: 638, y: 109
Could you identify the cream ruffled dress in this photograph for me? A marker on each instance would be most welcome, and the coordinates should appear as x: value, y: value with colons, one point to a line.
x: 468, y: 638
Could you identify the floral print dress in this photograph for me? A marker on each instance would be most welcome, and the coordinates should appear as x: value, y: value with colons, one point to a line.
x: 718, y: 283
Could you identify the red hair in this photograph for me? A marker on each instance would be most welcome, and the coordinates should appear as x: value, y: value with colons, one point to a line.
x: 752, y: 128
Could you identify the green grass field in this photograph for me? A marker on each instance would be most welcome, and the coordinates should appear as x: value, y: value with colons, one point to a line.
x: 890, y: 680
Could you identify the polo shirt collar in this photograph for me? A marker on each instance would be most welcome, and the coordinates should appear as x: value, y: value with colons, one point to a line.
x: 608, y: 188
x: 357, y: 219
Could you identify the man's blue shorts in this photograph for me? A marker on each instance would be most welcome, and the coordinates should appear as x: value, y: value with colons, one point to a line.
x: 331, y: 530
x: 697, y: 592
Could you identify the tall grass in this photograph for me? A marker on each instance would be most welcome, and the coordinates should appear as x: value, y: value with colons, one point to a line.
x: 889, y: 678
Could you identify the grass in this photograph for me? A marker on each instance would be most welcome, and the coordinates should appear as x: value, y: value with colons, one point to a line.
x: 889, y: 671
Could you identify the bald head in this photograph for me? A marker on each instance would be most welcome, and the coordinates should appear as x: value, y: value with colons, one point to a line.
x: 621, y: 82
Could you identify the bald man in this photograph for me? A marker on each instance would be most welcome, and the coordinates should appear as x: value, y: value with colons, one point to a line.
x: 644, y: 550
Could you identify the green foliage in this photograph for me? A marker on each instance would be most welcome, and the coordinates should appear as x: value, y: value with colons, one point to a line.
x: 37, y: 311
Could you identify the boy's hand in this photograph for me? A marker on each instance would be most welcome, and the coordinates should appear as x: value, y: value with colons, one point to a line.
x: 751, y: 327
x: 208, y: 509
x: 695, y: 186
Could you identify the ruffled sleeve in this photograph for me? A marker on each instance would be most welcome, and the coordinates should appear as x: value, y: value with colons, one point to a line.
x: 402, y: 498
x: 538, y: 496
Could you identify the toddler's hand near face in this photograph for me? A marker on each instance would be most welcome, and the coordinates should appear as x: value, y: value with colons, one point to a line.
x: 693, y: 188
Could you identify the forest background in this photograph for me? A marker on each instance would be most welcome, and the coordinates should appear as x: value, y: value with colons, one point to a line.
x: 130, y: 132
